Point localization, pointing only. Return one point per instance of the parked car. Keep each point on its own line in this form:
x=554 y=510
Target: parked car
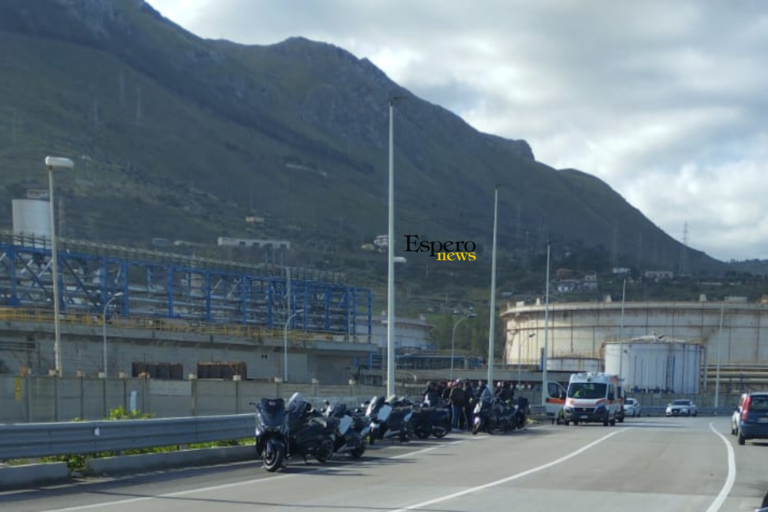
x=681 y=407
x=753 y=418
x=736 y=415
x=631 y=407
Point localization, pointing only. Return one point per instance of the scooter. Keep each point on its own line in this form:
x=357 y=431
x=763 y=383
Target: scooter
x=271 y=432
x=351 y=431
x=389 y=419
x=429 y=420
x=309 y=432
x=493 y=416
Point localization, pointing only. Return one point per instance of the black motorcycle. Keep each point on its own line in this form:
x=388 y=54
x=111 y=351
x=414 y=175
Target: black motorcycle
x=494 y=416
x=428 y=420
x=271 y=432
x=390 y=419
x=309 y=432
x=351 y=430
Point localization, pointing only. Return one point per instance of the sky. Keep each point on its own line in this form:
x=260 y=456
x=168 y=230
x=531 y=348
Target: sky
x=665 y=101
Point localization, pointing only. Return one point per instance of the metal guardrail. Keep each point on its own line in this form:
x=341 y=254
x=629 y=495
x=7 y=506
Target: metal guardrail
x=21 y=441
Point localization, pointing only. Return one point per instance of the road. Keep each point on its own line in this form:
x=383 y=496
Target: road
x=648 y=464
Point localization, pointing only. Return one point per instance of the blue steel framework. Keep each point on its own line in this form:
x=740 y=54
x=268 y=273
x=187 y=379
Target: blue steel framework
x=172 y=290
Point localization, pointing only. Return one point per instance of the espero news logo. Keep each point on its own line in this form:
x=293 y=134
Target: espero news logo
x=443 y=251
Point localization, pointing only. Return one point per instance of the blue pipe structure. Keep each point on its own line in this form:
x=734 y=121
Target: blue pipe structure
x=172 y=290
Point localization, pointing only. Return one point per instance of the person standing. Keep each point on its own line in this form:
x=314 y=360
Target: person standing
x=457 y=399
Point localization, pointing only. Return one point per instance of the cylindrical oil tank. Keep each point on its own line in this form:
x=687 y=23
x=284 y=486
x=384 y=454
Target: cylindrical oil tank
x=647 y=364
x=31 y=217
x=573 y=364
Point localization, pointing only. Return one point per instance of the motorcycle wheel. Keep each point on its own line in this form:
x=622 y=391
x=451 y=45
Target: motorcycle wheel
x=421 y=433
x=325 y=452
x=440 y=431
x=273 y=459
x=358 y=452
x=476 y=428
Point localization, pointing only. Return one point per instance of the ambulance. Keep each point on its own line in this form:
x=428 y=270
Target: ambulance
x=592 y=398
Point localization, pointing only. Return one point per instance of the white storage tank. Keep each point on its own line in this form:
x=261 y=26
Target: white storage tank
x=651 y=363
x=573 y=364
x=31 y=217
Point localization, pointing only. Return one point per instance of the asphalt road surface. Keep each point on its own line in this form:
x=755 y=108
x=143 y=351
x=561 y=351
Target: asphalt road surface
x=644 y=465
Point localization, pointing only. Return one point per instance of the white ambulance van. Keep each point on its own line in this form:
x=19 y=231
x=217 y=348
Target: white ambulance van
x=592 y=397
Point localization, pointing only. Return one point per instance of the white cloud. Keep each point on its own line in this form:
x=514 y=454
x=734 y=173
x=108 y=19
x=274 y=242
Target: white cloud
x=662 y=100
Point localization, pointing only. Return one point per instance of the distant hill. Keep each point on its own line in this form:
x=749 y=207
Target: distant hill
x=179 y=137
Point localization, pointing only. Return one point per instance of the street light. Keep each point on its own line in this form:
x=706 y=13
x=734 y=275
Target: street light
x=52 y=163
x=492 y=333
x=621 y=330
x=104 y=324
x=520 y=354
x=544 y=391
x=453 y=338
x=391 y=253
x=285 y=344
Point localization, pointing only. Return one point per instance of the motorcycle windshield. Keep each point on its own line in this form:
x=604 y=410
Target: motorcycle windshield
x=271 y=411
x=296 y=403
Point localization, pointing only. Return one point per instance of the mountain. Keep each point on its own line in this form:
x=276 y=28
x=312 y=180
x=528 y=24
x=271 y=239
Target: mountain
x=179 y=137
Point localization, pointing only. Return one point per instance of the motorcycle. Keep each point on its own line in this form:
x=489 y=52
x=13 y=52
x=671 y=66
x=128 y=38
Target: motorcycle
x=428 y=420
x=494 y=416
x=389 y=419
x=351 y=430
x=271 y=432
x=309 y=432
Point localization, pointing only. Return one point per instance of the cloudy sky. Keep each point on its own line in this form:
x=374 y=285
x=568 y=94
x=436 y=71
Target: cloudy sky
x=665 y=101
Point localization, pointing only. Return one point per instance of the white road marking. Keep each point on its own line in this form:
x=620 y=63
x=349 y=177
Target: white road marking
x=223 y=486
x=510 y=478
x=726 y=490
x=170 y=495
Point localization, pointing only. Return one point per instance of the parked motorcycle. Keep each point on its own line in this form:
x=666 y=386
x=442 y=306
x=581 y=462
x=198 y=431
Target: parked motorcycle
x=351 y=430
x=434 y=421
x=494 y=416
x=309 y=432
x=390 y=419
x=271 y=432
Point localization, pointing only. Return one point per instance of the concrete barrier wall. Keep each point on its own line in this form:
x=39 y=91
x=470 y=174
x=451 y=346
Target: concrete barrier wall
x=46 y=399
x=12 y=477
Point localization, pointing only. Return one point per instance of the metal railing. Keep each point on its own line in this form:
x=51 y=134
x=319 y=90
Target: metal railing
x=48 y=439
x=172 y=326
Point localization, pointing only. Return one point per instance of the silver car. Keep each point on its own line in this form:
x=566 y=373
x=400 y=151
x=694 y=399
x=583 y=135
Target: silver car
x=631 y=407
x=681 y=407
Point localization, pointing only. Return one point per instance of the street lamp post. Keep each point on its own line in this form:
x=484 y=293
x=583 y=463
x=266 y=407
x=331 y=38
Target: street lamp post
x=391 y=253
x=52 y=163
x=546 y=336
x=492 y=330
x=621 y=330
x=285 y=344
x=453 y=339
x=104 y=325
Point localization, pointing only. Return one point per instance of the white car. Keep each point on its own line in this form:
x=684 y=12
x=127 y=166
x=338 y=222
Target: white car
x=631 y=407
x=681 y=407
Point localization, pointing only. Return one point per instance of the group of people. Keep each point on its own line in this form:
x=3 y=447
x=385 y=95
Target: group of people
x=462 y=397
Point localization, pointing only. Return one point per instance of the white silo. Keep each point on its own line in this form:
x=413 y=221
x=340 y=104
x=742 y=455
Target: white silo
x=650 y=363
x=31 y=217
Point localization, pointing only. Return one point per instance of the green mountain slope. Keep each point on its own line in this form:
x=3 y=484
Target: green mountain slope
x=179 y=137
